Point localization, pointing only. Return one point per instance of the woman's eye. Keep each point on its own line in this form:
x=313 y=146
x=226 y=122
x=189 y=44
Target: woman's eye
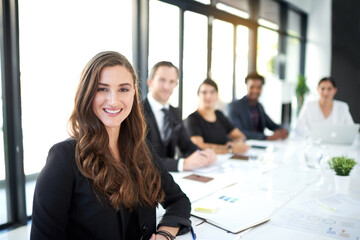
x=124 y=89
x=102 y=89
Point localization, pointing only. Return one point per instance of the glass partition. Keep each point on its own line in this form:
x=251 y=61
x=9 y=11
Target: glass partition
x=3 y=180
x=164 y=37
x=222 y=65
x=294 y=24
x=195 y=59
x=242 y=60
x=267 y=65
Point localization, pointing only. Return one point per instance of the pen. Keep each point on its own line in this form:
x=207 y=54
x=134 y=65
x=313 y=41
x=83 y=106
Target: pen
x=232 y=184
x=193 y=233
x=325 y=206
x=201 y=153
x=243 y=233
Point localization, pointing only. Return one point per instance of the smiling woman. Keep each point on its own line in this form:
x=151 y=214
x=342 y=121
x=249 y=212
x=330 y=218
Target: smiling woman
x=114 y=97
x=209 y=128
x=104 y=182
x=326 y=110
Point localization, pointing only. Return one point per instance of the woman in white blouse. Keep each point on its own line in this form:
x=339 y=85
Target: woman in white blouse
x=324 y=111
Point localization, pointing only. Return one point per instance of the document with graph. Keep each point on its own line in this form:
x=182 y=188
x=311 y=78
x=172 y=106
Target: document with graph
x=234 y=210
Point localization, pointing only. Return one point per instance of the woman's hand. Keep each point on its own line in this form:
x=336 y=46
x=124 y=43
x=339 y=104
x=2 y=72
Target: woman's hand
x=157 y=237
x=240 y=147
x=165 y=233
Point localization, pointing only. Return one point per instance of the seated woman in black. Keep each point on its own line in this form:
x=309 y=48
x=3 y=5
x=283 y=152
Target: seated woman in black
x=209 y=128
x=104 y=182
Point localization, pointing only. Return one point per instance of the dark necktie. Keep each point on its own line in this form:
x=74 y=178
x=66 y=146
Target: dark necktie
x=166 y=125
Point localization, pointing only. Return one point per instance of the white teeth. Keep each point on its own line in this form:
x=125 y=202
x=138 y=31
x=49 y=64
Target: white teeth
x=111 y=111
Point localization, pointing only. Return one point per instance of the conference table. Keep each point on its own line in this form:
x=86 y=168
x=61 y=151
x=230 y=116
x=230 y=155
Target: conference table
x=274 y=185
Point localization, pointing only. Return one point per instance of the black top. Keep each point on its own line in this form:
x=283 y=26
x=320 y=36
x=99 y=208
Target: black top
x=179 y=138
x=66 y=207
x=212 y=132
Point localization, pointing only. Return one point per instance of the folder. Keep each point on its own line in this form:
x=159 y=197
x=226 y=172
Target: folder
x=234 y=211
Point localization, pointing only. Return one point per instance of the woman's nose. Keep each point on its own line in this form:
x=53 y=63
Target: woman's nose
x=112 y=97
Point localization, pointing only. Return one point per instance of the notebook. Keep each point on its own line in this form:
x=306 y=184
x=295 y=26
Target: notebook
x=335 y=134
x=233 y=210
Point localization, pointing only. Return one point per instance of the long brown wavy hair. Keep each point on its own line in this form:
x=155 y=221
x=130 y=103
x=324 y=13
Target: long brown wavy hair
x=132 y=181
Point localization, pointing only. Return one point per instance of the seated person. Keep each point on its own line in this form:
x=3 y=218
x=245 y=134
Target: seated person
x=166 y=131
x=104 y=182
x=209 y=128
x=249 y=116
x=325 y=110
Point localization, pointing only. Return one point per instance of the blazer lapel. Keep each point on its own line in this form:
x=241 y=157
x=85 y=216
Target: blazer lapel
x=175 y=123
x=249 y=123
x=261 y=117
x=151 y=122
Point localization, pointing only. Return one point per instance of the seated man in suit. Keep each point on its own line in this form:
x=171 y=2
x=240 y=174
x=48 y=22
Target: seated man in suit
x=166 y=131
x=249 y=116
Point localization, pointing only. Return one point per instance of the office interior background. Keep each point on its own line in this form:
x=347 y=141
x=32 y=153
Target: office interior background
x=44 y=45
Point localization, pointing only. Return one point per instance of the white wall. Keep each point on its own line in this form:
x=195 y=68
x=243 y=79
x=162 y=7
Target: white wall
x=318 y=48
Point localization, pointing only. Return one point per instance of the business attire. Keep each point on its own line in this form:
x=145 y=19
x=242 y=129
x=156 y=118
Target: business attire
x=66 y=206
x=251 y=120
x=179 y=137
x=311 y=114
x=216 y=132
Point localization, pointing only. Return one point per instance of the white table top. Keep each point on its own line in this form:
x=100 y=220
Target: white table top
x=281 y=174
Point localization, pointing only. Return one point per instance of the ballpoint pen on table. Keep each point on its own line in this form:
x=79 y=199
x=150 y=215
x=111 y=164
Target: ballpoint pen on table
x=243 y=233
x=325 y=206
x=193 y=233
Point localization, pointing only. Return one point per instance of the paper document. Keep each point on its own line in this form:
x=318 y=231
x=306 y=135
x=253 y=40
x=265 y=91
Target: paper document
x=338 y=204
x=233 y=210
x=191 y=187
x=325 y=225
x=220 y=159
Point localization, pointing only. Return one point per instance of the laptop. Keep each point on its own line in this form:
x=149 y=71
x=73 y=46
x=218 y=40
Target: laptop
x=335 y=134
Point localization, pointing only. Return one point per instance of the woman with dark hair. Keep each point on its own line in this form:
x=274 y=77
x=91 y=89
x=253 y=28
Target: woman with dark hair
x=326 y=110
x=104 y=182
x=209 y=128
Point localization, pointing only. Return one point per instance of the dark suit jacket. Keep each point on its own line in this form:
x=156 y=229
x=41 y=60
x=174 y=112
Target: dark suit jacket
x=179 y=138
x=65 y=206
x=239 y=113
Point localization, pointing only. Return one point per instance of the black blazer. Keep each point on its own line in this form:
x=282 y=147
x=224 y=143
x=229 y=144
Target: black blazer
x=179 y=138
x=65 y=206
x=239 y=113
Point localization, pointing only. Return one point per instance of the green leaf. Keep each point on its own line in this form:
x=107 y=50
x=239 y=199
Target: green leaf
x=342 y=165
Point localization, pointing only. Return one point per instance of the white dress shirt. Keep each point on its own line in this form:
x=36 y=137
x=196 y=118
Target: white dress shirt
x=159 y=116
x=311 y=114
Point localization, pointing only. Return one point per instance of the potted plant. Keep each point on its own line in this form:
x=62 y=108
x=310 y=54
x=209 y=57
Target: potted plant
x=301 y=90
x=342 y=166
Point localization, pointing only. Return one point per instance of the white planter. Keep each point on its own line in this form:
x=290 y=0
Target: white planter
x=342 y=184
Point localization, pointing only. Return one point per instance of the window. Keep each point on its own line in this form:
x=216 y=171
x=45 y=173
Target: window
x=195 y=66
x=294 y=24
x=204 y=1
x=268 y=49
x=3 y=181
x=239 y=7
x=55 y=45
x=241 y=64
x=164 y=37
x=222 y=66
x=292 y=59
x=267 y=65
x=269 y=14
x=292 y=72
